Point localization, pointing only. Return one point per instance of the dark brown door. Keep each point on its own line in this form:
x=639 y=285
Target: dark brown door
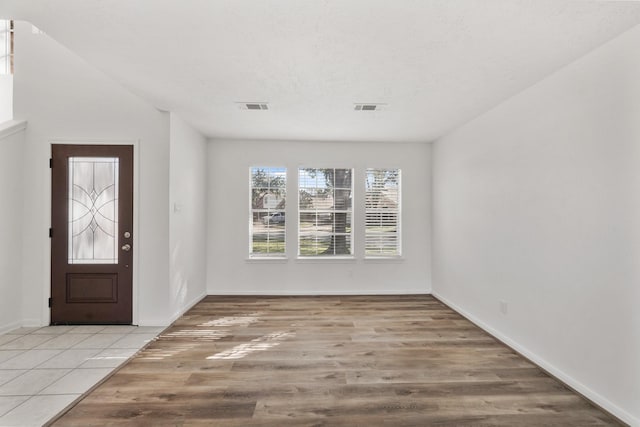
x=92 y=234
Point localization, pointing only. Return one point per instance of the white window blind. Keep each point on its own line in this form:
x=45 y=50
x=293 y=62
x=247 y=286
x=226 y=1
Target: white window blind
x=267 y=213
x=382 y=206
x=325 y=212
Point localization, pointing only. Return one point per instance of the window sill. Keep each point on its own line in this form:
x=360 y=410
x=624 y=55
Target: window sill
x=326 y=259
x=384 y=260
x=267 y=260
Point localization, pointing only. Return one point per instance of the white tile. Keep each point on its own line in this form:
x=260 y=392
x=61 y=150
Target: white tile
x=69 y=359
x=148 y=329
x=8 y=354
x=86 y=329
x=6 y=338
x=26 y=342
x=54 y=330
x=37 y=410
x=64 y=341
x=23 y=330
x=29 y=359
x=77 y=381
x=9 y=374
x=99 y=341
x=134 y=341
x=32 y=382
x=7 y=403
x=118 y=329
x=109 y=358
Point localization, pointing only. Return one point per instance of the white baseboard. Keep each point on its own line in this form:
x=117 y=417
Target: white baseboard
x=154 y=322
x=187 y=307
x=168 y=321
x=9 y=327
x=320 y=293
x=27 y=323
x=547 y=366
x=32 y=323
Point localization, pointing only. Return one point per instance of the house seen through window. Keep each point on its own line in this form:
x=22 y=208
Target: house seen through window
x=325 y=212
x=267 y=221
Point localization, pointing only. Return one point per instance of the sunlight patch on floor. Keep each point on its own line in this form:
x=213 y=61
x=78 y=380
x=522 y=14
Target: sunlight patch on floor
x=233 y=321
x=259 y=344
x=164 y=353
x=197 y=334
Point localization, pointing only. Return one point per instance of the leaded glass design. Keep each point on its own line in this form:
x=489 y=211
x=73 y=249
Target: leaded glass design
x=93 y=210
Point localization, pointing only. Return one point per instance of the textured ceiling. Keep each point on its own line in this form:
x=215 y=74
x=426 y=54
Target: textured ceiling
x=435 y=63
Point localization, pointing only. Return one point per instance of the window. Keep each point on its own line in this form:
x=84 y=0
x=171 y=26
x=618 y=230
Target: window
x=382 y=206
x=267 y=221
x=6 y=47
x=325 y=212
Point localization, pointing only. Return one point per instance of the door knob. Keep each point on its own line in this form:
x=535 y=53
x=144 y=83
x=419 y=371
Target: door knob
x=126 y=247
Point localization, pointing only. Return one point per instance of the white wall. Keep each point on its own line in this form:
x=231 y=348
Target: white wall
x=6 y=97
x=188 y=171
x=229 y=271
x=537 y=203
x=64 y=99
x=11 y=190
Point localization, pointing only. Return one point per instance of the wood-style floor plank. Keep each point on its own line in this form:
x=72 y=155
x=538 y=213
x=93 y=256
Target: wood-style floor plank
x=329 y=361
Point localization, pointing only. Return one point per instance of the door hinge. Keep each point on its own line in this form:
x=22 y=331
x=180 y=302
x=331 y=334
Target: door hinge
x=51 y=163
x=49 y=302
x=50 y=232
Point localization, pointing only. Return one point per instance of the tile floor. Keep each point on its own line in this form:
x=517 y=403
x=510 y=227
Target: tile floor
x=43 y=370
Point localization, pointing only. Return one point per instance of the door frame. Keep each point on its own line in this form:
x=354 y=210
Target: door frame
x=135 y=285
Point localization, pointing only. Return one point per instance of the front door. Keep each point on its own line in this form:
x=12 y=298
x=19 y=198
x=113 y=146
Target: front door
x=92 y=234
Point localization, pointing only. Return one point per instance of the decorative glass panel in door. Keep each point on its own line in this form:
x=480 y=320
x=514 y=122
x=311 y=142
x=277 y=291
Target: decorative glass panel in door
x=93 y=210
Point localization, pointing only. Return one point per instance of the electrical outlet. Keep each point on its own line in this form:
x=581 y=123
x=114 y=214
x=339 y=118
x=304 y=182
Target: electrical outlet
x=504 y=307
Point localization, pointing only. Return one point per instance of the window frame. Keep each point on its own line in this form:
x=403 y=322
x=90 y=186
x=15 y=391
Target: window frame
x=7 y=26
x=349 y=211
x=383 y=211
x=269 y=211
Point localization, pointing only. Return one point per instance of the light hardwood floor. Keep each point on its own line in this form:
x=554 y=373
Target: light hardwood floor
x=330 y=361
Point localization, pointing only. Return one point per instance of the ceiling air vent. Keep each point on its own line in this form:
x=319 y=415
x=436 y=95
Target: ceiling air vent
x=368 y=107
x=253 y=105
